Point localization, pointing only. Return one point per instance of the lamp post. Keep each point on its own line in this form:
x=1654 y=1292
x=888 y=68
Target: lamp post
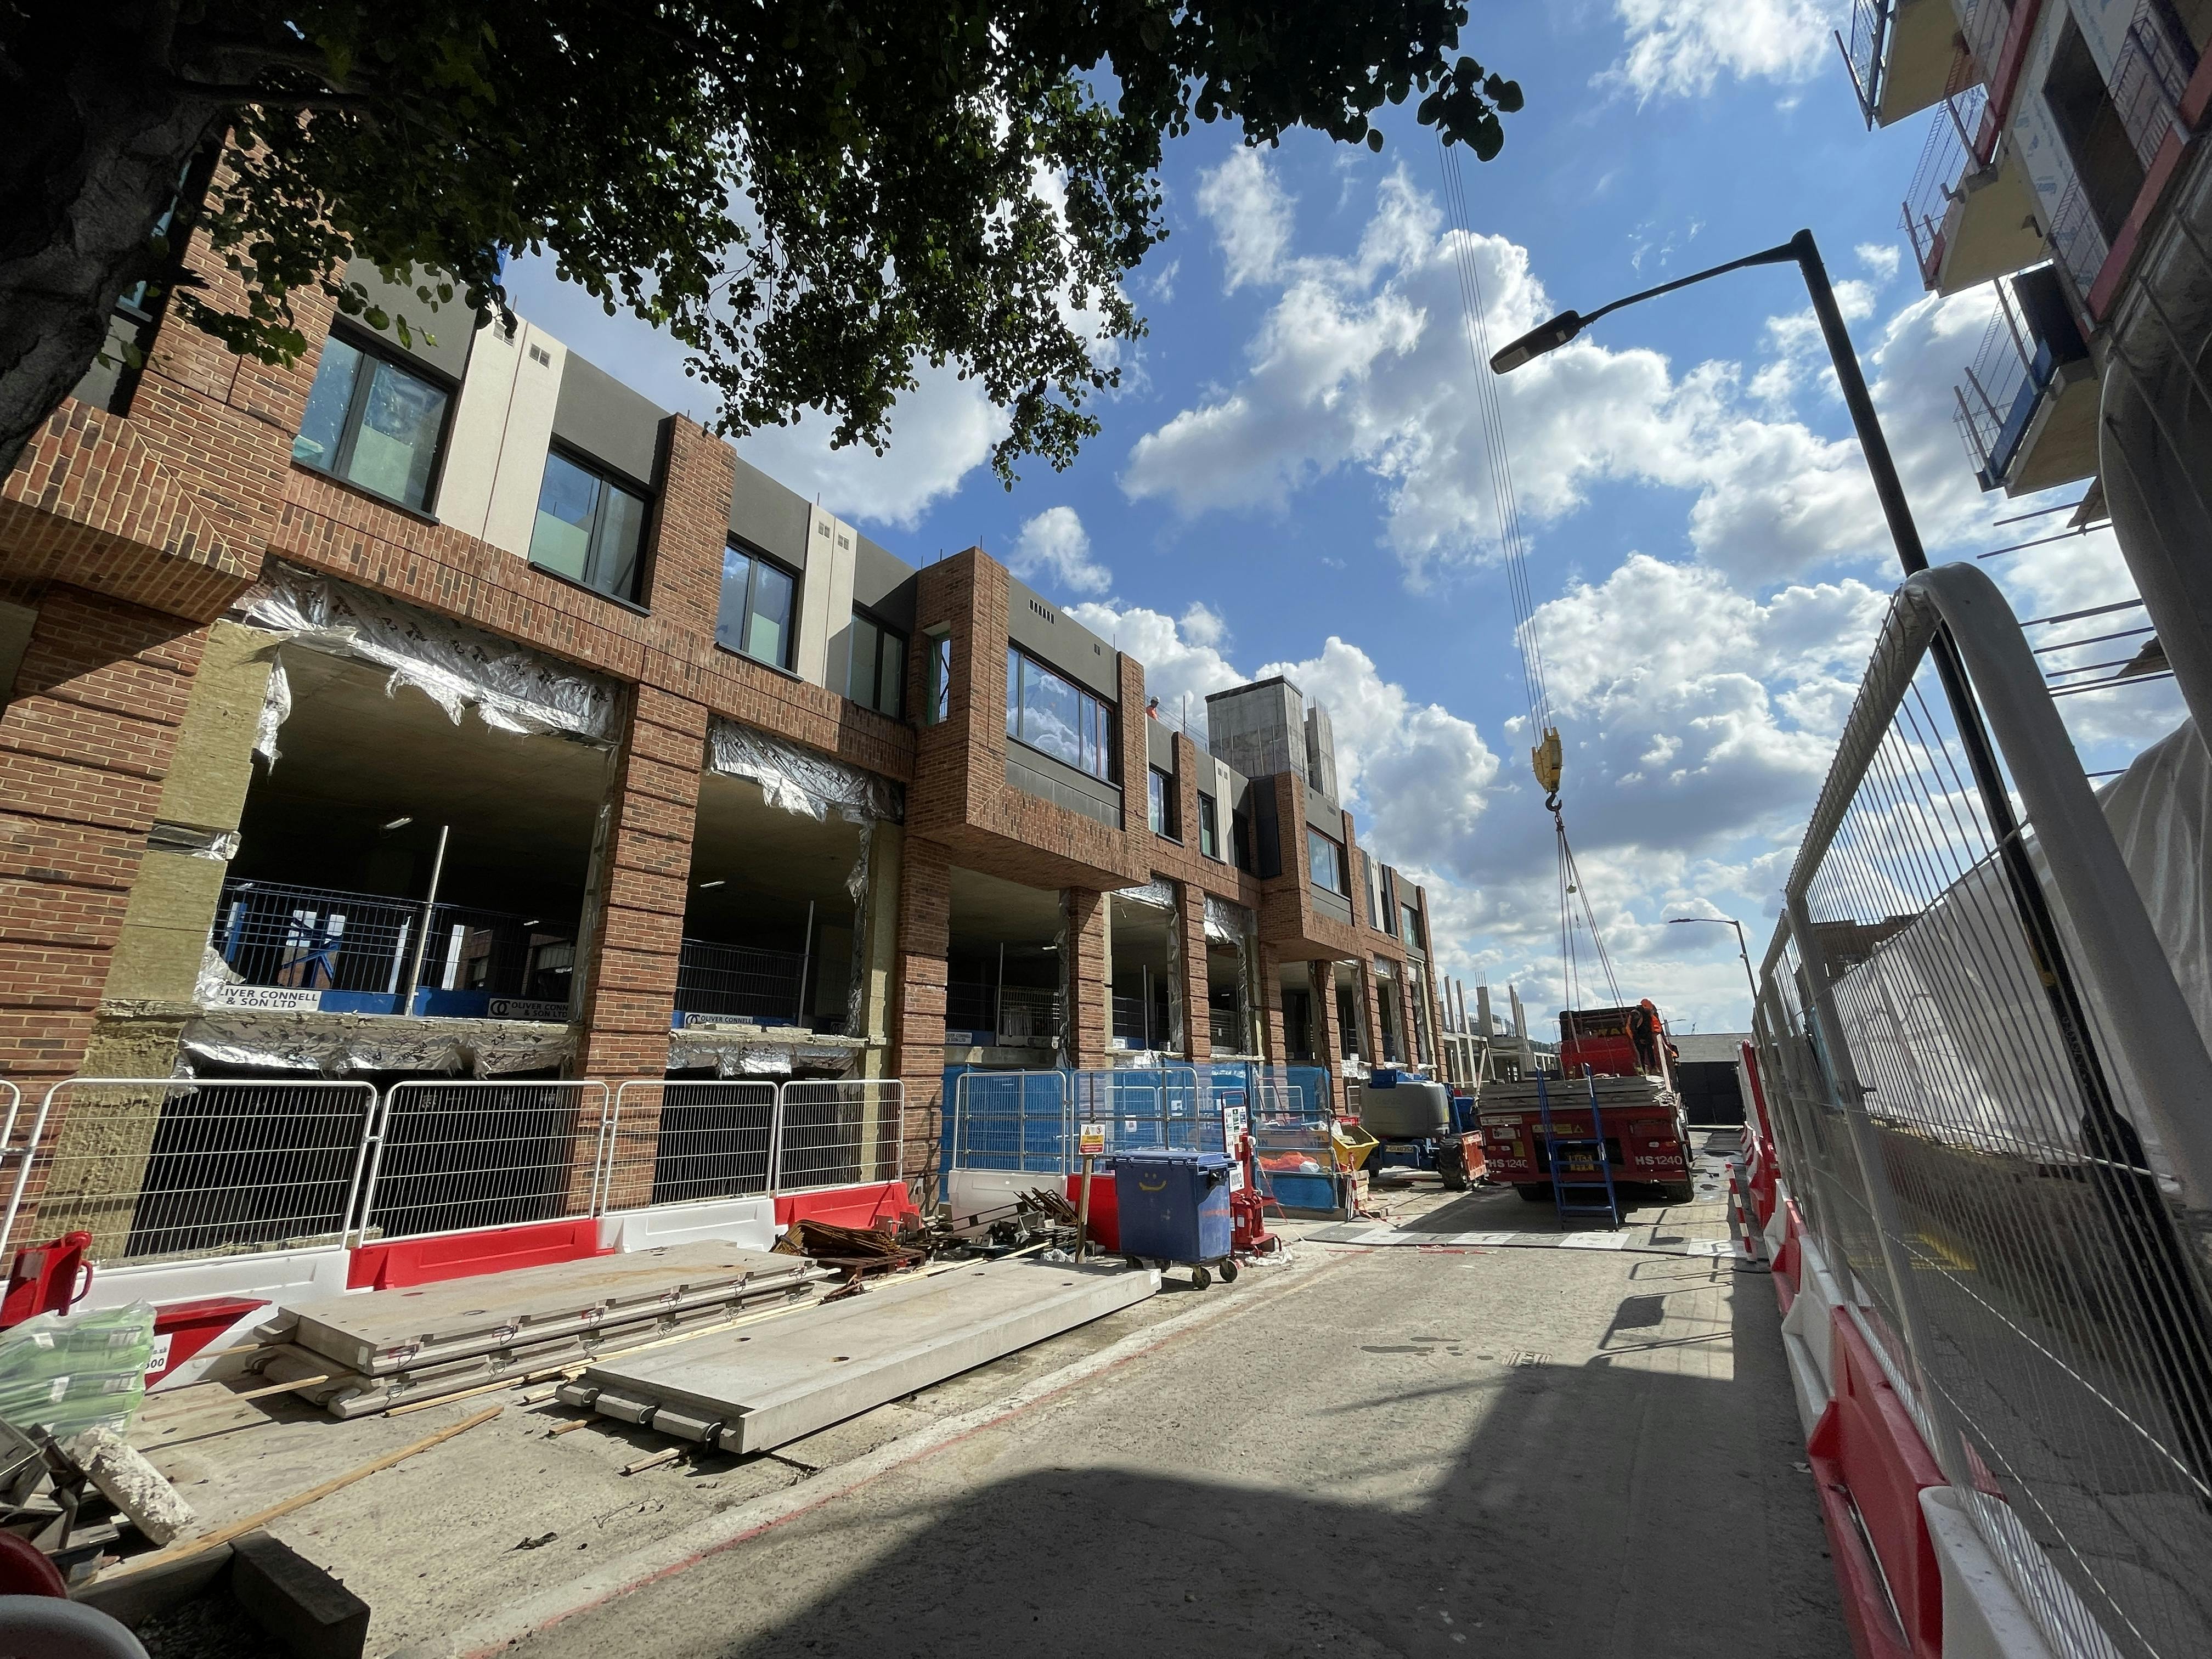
x=2068 y=1007
x=1742 y=953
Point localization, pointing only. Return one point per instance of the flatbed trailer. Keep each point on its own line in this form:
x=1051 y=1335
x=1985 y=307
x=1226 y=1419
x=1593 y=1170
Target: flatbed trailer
x=1620 y=1059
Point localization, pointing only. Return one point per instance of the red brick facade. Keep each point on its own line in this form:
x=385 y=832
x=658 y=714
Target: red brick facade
x=130 y=534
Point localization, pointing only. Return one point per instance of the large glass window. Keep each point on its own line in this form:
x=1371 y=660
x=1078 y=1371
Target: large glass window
x=756 y=614
x=1054 y=714
x=1412 y=932
x=589 y=528
x=876 y=674
x=1209 y=826
x=373 y=423
x=1160 y=797
x=1325 y=861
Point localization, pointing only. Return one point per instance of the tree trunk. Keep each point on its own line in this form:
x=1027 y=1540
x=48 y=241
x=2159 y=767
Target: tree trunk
x=94 y=136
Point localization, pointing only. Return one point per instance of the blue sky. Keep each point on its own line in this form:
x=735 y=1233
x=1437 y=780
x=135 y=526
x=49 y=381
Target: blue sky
x=1293 y=478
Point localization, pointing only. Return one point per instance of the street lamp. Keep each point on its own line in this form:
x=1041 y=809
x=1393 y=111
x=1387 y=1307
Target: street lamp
x=2025 y=887
x=1740 y=951
x=1801 y=250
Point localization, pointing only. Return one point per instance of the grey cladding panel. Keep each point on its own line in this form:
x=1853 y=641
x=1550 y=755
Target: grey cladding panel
x=1058 y=643
x=604 y=419
x=884 y=583
x=769 y=516
x=1325 y=815
x=1334 y=906
x=452 y=324
x=1048 y=779
x=1160 y=745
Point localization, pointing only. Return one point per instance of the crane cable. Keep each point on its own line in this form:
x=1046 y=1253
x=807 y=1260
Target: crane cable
x=1546 y=756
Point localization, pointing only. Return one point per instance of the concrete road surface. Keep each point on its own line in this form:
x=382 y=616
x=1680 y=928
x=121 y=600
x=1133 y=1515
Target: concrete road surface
x=1508 y=1451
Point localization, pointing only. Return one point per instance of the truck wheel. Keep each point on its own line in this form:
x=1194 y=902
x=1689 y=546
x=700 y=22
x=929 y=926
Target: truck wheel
x=1455 y=1179
x=1677 y=1192
x=1534 y=1192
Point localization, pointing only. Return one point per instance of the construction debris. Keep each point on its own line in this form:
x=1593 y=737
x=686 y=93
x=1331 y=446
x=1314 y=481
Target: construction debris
x=236 y=1529
x=134 y=1485
x=856 y=1249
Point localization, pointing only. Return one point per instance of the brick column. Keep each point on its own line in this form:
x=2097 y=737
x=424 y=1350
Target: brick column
x=925 y=925
x=1197 y=1010
x=1090 y=978
x=86 y=742
x=1321 y=975
x=1270 y=1011
x=644 y=880
x=1369 y=1019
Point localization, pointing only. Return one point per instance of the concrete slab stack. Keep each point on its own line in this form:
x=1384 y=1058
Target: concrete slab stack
x=376 y=1350
x=750 y=1391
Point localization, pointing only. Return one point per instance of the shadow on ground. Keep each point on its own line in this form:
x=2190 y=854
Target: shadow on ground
x=1621 y=1507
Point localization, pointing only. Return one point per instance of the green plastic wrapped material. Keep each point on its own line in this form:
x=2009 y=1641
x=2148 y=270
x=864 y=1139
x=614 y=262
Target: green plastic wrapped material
x=66 y=1373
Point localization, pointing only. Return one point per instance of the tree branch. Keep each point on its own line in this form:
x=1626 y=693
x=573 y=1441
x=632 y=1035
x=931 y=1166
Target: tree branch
x=205 y=92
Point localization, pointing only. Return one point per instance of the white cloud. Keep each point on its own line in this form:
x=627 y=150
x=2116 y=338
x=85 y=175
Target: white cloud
x=1250 y=215
x=1362 y=362
x=1880 y=258
x=941 y=431
x=1054 y=548
x=1203 y=625
x=1682 y=48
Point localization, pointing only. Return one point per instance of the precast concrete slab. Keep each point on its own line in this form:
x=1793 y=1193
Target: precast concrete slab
x=385 y=1331
x=750 y=1391
x=344 y=1392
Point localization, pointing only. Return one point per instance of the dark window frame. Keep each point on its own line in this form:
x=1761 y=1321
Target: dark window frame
x=1161 y=802
x=1315 y=838
x=1239 y=840
x=1209 y=826
x=1108 y=717
x=609 y=478
x=757 y=558
x=368 y=345
x=937 y=690
x=883 y=630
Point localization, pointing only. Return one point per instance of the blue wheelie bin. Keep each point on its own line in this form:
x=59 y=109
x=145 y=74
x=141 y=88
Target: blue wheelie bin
x=1174 y=1209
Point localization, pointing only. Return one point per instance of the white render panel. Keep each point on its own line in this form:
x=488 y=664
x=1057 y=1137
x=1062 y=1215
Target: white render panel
x=464 y=482
x=825 y=594
x=527 y=435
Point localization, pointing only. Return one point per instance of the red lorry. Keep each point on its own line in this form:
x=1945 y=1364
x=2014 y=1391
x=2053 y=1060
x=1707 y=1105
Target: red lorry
x=1647 y=1138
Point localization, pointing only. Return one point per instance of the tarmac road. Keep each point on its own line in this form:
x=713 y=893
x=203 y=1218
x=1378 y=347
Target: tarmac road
x=1523 y=1452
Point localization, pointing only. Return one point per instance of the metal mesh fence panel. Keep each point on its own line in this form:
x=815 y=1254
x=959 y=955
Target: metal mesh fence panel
x=1145 y=1108
x=1969 y=1151
x=453 y=1155
x=837 y=1133
x=155 y=1167
x=676 y=1143
x=1010 y=1121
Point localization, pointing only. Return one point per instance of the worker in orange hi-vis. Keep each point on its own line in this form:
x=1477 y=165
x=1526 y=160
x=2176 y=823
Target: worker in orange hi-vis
x=1644 y=1031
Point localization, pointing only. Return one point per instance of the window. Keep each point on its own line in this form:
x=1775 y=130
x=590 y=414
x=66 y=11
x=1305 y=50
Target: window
x=937 y=705
x=589 y=528
x=1325 y=861
x=756 y=618
x=876 y=674
x=1209 y=828
x=373 y=423
x=1240 y=840
x=1056 y=716
x=1412 y=931
x=1160 y=799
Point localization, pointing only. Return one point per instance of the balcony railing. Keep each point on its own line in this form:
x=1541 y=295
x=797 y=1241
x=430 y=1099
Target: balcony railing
x=1956 y=148
x=1865 y=52
x=1015 y=1016
x=299 y=947
x=2157 y=61
x=740 y=984
x=1225 y=1026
